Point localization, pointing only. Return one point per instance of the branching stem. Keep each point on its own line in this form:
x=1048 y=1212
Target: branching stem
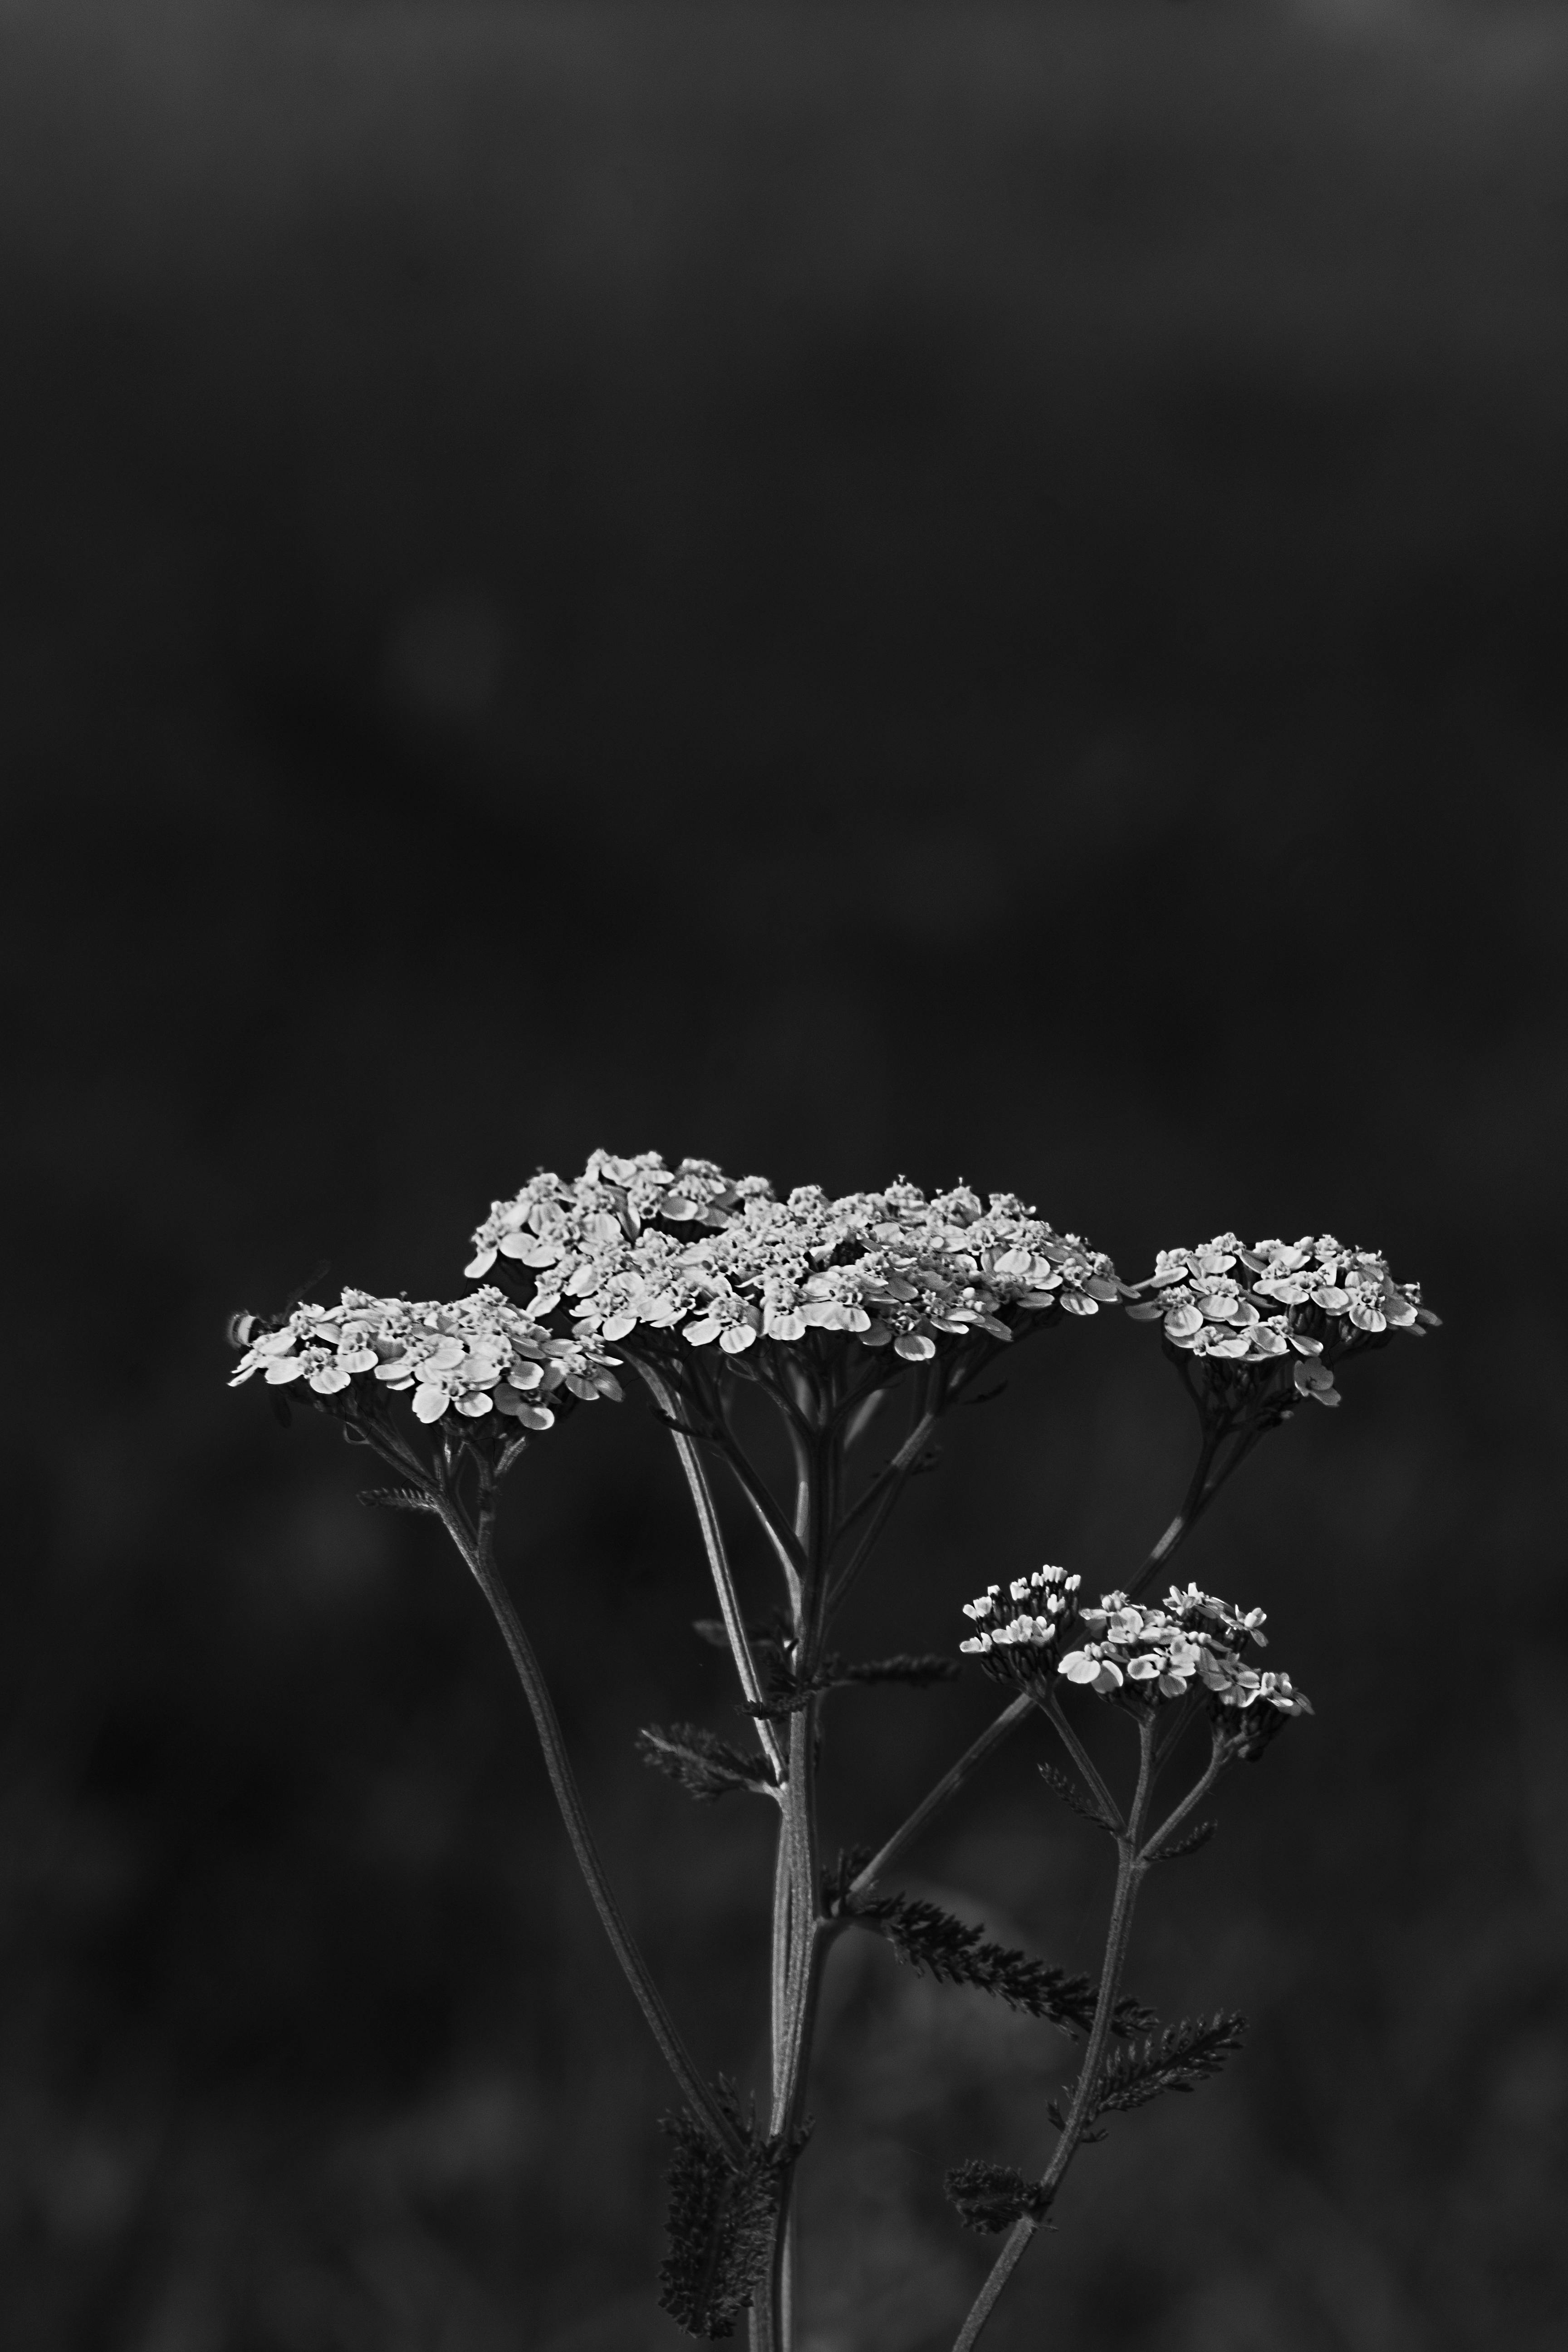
x=707 y=1510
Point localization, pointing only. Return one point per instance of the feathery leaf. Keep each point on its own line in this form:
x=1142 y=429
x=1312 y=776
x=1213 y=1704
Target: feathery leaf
x=720 y=2222
x=933 y=1943
x=1072 y=1792
x=1194 y=1842
x=705 y=1766
x=1177 y=2060
x=991 y=2196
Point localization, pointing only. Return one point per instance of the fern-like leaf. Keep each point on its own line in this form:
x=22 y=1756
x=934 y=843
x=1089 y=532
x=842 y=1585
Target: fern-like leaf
x=917 y=1672
x=787 y=1693
x=705 y=1766
x=991 y=2196
x=720 y=2222
x=1194 y=1842
x=396 y=1498
x=1083 y=1800
x=1179 y=2059
x=933 y=1943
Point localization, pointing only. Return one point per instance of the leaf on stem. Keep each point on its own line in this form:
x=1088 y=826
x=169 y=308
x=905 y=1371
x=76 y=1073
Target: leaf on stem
x=787 y=1694
x=705 y=1766
x=934 y=1943
x=719 y=2220
x=1178 y=2059
x=1195 y=1840
x=991 y=2196
x=1072 y=1792
x=397 y=1498
x=917 y=1671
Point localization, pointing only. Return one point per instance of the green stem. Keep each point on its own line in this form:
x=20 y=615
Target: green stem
x=951 y=1781
x=879 y=1498
x=475 y=1545
x=1130 y=1865
x=1052 y=1707
x=707 y=1510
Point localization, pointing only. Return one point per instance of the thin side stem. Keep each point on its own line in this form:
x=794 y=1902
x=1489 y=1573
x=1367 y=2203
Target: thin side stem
x=1219 y=1759
x=766 y=1511
x=952 y=1779
x=893 y=1468
x=897 y=1473
x=696 y=1471
x=474 y=1544
x=1130 y=1868
x=1081 y=1757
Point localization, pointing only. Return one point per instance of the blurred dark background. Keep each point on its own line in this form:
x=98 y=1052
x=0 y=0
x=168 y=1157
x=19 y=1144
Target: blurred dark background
x=970 y=591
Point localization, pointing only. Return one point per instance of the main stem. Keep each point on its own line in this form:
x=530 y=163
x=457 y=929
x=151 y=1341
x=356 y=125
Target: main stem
x=1130 y=1869
x=475 y=1543
x=800 y=1935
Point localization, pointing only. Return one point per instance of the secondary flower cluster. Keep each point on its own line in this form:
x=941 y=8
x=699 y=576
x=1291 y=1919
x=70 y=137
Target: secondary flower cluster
x=1233 y=1304
x=1038 y=1603
x=472 y=1356
x=1192 y=1639
x=633 y=1247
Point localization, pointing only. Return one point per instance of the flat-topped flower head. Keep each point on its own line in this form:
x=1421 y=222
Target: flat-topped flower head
x=1144 y=1653
x=1263 y=1325
x=666 y=1261
x=1015 y=1631
x=471 y=1357
x=550 y=1222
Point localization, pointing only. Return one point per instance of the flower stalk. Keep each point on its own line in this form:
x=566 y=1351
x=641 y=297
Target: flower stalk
x=474 y=1541
x=1132 y=1862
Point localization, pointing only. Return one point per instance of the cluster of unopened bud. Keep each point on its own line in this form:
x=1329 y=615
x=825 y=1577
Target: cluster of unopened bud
x=1029 y=1618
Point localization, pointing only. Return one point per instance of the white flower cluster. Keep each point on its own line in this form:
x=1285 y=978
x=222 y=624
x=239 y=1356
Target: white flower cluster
x=1232 y=1304
x=1157 y=1651
x=1160 y=1650
x=617 y=1248
x=473 y=1356
x=1039 y=1602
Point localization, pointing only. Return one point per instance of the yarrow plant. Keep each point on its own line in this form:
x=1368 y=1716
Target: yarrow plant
x=710 y=1290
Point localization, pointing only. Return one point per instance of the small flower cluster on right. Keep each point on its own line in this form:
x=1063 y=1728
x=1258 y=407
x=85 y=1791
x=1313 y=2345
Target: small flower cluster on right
x=1312 y=1300
x=1148 y=1652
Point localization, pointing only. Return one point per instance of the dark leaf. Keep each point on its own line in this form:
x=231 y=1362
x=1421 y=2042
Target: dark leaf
x=720 y=2223
x=704 y=1765
x=916 y=1670
x=933 y=1943
x=1177 y=2060
x=1083 y=1800
x=1195 y=1840
x=991 y=2196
